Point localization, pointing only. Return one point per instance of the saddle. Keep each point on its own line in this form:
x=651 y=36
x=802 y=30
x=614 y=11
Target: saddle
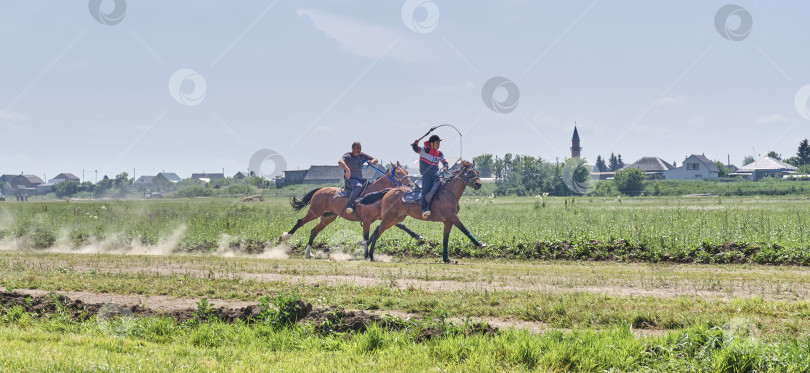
x=415 y=195
x=343 y=192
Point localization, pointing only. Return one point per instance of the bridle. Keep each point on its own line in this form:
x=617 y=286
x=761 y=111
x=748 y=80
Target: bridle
x=396 y=181
x=468 y=176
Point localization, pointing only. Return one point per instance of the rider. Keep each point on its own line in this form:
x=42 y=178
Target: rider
x=352 y=165
x=429 y=158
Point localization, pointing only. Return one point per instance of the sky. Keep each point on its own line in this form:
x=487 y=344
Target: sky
x=103 y=87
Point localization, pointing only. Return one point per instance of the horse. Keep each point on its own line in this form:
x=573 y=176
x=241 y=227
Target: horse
x=444 y=208
x=323 y=203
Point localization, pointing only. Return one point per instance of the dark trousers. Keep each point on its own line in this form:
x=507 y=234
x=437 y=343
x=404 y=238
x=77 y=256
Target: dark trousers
x=355 y=187
x=428 y=180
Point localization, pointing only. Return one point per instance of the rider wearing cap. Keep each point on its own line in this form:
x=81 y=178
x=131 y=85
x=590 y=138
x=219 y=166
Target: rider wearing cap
x=352 y=165
x=429 y=159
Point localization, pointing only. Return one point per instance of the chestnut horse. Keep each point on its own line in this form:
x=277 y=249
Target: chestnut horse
x=324 y=204
x=443 y=208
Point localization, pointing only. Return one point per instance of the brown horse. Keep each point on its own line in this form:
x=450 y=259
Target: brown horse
x=325 y=204
x=444 y=207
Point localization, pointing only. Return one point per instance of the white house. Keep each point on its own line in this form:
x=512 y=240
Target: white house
x=694 y=167
x=765 y=167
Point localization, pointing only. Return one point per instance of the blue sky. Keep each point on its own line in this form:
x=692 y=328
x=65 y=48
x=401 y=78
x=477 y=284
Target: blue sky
x=307 y=78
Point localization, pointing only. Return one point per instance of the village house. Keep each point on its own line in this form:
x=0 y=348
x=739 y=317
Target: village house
x=694 y=167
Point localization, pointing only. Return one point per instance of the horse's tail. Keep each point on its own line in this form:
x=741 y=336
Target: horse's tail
x=300 y=204
x=373 y=198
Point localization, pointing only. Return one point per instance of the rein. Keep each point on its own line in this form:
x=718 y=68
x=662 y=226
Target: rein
x=394 y=181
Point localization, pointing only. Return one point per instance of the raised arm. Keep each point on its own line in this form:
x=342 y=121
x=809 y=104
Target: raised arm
x=415 y=146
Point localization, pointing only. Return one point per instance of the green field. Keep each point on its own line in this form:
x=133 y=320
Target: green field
x=761 y=230
x=584 y=284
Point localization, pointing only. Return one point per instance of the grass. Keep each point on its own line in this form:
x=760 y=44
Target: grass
x=153 y=344
x=558 y=295
x=760 y=230
x=592 y=310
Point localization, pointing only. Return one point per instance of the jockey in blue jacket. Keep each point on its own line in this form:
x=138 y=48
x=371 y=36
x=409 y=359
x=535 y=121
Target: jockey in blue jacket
x=352 y=165
x=429 y=159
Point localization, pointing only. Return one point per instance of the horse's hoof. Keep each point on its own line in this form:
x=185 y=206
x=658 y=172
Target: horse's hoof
x=284 y=237
x=308 y=252
x=448 y=261
x=482 y=245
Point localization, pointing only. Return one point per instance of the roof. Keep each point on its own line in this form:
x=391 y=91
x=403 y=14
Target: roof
x=709 y=164
x=240 y=174
x=144 y=179
x=66 y=176
x=334 y=173
x=576 y=135
x=170 y=176
x=650 y=164
x=767 y=163
x=208 y=176
x=33 y=179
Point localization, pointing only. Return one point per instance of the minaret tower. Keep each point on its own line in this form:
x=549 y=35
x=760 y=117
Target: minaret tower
x=575 y=148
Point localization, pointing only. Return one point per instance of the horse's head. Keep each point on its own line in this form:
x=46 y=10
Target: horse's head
x=469 y=174
x=400 y=174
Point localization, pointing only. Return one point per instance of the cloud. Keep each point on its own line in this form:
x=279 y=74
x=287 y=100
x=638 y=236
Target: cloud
x=323 y=129
x=451 y=88
x=696 y=120
x=371 y=41
x=543 y=118
x=677 y=101
x=772 y=119
x=12 y=116
x=16 y=127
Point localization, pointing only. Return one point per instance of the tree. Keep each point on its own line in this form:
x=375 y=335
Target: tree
x=121 y=183
x=613 y=162
x=620 y=162
x=803 y=153
x=793 y=161
x=600 y=164
x=629 y=181
x=748 y=160
x=723 y=170
x=484 y=164
x=102 y=186
x=66 y=188
x=774 y=154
